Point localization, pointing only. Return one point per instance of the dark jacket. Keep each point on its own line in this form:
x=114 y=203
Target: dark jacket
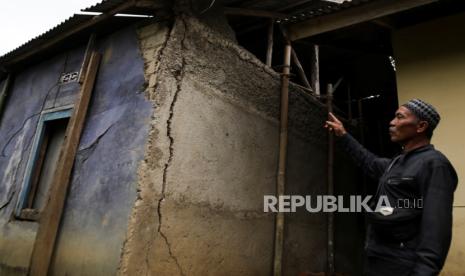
x=423 y=173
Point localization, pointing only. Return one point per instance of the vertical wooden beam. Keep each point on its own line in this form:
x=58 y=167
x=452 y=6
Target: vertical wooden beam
x=85 y=61
x=281 y=177
x=330 y=268
x=315 y=77
x=51 y=216
x=295 y=59
x=4 y=93
x=269 y=52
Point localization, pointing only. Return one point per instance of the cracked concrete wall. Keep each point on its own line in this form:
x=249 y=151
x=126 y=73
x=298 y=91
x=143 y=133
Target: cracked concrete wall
x=192 y=156
x=212 y=155
x=103 y=185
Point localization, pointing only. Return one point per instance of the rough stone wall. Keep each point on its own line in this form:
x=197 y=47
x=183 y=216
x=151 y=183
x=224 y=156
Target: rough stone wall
x=212 y=155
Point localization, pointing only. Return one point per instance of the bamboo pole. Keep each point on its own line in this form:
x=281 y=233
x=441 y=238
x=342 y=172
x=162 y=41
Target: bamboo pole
x=295 y=59
x=281 y=177
x=315 y=77
x=329 y=102
x=269 y=52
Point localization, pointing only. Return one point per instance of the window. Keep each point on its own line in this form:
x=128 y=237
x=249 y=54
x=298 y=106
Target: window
x=42 y=162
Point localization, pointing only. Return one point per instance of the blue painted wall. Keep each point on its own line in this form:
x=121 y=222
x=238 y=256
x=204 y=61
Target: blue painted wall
x=103 y=186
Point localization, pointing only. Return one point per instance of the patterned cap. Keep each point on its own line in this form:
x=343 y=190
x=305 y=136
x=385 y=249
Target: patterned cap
x=424 y=111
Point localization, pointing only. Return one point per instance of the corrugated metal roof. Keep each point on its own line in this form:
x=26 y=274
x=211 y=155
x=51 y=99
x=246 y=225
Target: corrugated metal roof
x=319 y=8
x=67 y=24
x=104 y=6
x=298 y=10
x=73 y=22
x=140 y=7
x=36 y=49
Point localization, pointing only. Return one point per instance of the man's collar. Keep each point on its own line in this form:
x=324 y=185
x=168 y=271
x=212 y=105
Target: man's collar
x=420 y=149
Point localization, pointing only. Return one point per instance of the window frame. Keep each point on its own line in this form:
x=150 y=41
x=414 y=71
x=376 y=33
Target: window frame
x=22 y=211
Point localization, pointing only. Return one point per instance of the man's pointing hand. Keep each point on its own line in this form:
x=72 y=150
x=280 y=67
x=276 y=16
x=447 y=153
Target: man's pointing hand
x=333 y=124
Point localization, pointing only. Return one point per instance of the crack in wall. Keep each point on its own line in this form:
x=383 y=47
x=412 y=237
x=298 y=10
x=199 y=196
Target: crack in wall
x=166 y=69
x=17 y=169
x=179 y=75
x=89 y=150
x=9 y=140
x=151 y=248
x=24 y=150
x=153 y=55
x=8 y=200
x=152 y=240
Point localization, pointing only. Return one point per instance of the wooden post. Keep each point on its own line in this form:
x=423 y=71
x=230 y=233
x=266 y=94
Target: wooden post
x=85 y=61
x=281 y=177
x=329 y=98
x=315 y=77
x=4 y=93
x=296 y=61
x=269 y=52
x=51 y=216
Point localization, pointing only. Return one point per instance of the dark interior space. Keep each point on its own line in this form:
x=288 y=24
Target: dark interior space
x=360 y=59
x=54 y=134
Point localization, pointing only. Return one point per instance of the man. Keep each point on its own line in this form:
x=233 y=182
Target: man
x=410 y=240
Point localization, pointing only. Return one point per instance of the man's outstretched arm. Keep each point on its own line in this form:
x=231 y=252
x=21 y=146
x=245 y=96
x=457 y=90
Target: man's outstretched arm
x=371 y=164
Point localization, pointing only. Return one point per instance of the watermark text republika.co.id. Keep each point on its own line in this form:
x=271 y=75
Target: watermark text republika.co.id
x=331 y=203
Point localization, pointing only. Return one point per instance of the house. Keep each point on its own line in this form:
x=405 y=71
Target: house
x=145 y=145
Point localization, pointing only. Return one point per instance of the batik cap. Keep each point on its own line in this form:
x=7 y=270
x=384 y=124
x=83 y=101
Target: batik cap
x=424 y=111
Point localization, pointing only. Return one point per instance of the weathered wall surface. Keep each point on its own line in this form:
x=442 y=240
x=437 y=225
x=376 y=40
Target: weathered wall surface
x=103 y=186
x=104 y=180
x=205 y=147
x=212 y=155
x=430 y=60
x=33 y=90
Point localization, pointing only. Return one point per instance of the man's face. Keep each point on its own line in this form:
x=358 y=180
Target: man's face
x=405 y=126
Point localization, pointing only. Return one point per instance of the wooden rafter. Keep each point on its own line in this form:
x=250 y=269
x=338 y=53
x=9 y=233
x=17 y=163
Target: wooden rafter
x=253 y=13
x=351 y=16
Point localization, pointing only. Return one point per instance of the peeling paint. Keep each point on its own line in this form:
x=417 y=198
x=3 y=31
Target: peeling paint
x=103 y=184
